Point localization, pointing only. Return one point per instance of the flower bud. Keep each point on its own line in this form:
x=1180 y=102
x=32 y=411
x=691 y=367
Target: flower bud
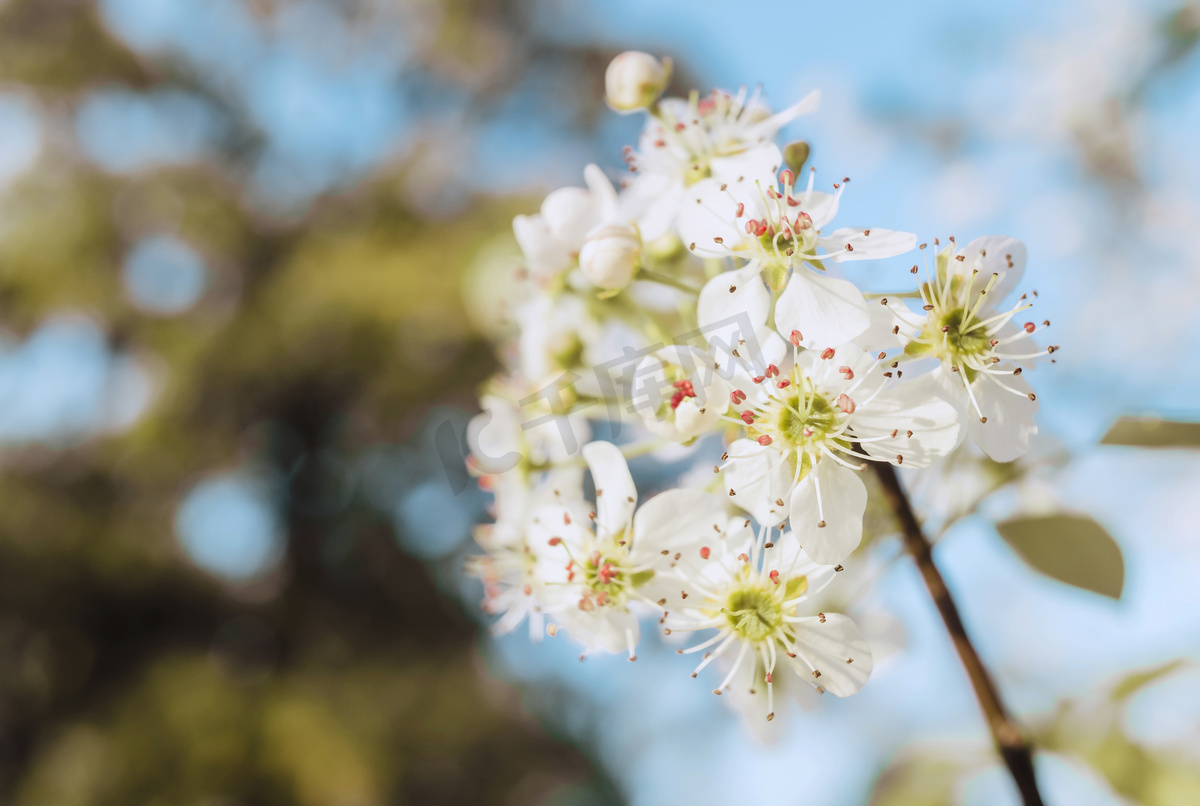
x=634 y=80
x=611 y=255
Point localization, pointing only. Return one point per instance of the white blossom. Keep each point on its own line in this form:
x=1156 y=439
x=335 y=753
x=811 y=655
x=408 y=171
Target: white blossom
x=752 y=592
x=722 y=136
x=552 y=239
x=782 y=235
x=982 y=352
x=606 y=567
x=808 y=431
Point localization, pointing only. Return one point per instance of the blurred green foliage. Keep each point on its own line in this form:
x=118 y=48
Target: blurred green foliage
x=347 y=676
x=1152 y=432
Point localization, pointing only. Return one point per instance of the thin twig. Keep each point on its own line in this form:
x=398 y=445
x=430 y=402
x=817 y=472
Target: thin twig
x=1014 y=747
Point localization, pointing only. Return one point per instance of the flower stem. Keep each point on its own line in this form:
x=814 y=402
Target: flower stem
x=1014 y=747
x=664 y=279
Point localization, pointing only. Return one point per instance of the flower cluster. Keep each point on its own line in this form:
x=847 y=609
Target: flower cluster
x=701 y=307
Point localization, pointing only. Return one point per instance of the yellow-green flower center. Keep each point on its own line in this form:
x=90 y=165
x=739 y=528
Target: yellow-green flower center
x=754 y=613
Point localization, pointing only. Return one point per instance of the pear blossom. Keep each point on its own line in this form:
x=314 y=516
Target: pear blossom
x=698 y=394
x=981 y=350
x=753 y=593
x=568 y=334
x=634 y=80
x=606 y=566
x=552 y=239
x=782 y=235
x=503 y=437
x=515 y=587
x=721 y=136
x=806 y=430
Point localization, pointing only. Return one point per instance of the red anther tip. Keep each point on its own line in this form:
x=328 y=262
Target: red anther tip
x=748 y=417
x=772 y=370
x=705 y=552
x=784 y=384
x=827 y=353
x=1030 y=327
x=554 y=541
x=774 y=575
x=797 y=337
x=847 y=373
x=846 y=404
x=764 y=440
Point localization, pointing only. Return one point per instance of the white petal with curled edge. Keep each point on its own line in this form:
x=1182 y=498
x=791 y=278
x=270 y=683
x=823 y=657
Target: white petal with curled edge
x=827 y=311
x=1005 y=435
x=843 y=499
x=734 y=300
x=868 y=244
x=760 y=478
x=916 y=405
x=836 y=649
x=615 y=494
x=708 y=213
x=993 y=254
x=675 y=520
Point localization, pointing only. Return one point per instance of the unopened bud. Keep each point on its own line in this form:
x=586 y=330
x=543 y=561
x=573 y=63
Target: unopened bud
x=635 y=80
x=611 y=255
x=795 y=155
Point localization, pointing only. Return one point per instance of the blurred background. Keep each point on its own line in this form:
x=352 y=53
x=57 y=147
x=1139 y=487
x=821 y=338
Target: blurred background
x=240 y=251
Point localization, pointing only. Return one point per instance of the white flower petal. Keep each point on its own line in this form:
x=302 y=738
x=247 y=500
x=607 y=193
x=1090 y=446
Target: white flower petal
x=603 y=628
x=842 y=501
x=915 y=405
x=867 y=244
x=827 y=311
x=737 y=299
x=820 y=207
x=837 y=650
x=1010 y=417
x=760 y=478
x=570 y=213
x=740 y=171
x=993 y=254
x=495 y=436
x=604 y=195
x=708 y=213
x=805 y=106
x=615 y=494
x=676 y=520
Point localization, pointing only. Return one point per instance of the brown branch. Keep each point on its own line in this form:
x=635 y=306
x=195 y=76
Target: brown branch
x=1014 y=747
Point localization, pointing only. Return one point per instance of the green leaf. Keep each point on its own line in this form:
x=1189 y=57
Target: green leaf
x=1153 y=432
x=1070 y=548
